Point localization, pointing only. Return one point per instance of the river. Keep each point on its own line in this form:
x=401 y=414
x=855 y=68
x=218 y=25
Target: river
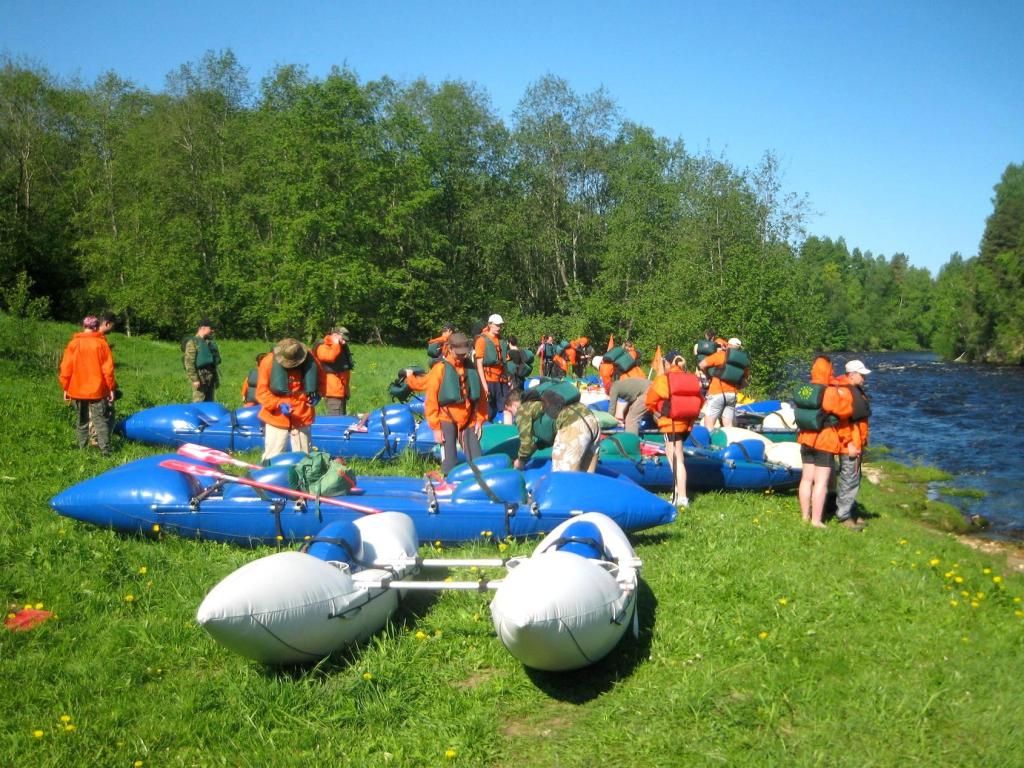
x=964 y=419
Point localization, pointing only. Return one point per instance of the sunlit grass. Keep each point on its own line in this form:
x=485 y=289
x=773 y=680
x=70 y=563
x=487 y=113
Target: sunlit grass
x=761 y=640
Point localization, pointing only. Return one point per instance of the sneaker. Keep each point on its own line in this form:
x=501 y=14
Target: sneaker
x=853 y=525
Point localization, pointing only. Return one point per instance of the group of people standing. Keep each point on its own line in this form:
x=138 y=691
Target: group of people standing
x=471 y=382
x=832 y=414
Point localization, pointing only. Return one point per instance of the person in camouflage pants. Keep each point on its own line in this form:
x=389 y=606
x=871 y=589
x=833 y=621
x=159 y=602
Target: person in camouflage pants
x=577 y=432
x=201 y=360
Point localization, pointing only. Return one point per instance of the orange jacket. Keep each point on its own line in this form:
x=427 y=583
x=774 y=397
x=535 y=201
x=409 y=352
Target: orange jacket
x=463 y=415
x=657 y=394
x=303 y=414
x=838 y=401
x=332 y=384
x=87 y=367
x=492 y=373
x=856 y=432
x=417 y=382
x=717 y=386
x=607 y=374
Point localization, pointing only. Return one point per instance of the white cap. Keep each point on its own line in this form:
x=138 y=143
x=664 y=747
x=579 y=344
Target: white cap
x=856 y=366
x=596 y=361
x=734 y=342
x=496 y=319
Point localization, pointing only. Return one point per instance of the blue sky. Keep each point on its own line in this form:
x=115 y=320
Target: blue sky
x=896 y=119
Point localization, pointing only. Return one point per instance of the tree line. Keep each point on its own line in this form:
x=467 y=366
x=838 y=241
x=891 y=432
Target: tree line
x=303 y=203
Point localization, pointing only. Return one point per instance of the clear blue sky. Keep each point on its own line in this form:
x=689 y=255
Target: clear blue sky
x=896 y=118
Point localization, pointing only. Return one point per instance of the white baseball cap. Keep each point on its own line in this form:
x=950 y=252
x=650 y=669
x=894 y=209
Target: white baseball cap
x=734 y=342
x=596 y=361
x=856 y=366
x=496 y=319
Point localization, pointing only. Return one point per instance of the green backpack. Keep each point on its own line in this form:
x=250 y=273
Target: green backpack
x=318 y=474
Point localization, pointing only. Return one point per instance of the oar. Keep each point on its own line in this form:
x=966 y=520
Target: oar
x=212 y=456
x=201 y=471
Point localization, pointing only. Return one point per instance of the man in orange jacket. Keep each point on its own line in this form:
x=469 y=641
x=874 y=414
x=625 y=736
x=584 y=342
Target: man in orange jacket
x=335 y=359
x=87 y=379
x=287 y=386
x=456 y=403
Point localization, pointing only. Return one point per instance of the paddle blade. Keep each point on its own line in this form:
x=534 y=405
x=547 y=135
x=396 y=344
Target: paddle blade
x=26 y=619
x=212 y=456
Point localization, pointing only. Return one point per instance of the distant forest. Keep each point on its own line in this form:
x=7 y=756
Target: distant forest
x=392 y=208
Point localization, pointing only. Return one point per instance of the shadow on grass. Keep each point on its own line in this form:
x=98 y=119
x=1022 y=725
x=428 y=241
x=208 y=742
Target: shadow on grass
x=582 y=685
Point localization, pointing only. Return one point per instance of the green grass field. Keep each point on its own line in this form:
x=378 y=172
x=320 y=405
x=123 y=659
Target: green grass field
x=762 y=642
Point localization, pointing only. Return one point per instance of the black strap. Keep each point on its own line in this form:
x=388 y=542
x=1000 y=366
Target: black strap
x=625 y=454
x=483 y=483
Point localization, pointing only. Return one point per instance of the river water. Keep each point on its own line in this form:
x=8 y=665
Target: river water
x=964 y=419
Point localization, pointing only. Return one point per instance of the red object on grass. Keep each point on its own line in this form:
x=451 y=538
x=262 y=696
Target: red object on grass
x=26 y=619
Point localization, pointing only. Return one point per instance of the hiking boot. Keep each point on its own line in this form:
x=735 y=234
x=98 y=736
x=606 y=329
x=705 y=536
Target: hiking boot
x=853 y=525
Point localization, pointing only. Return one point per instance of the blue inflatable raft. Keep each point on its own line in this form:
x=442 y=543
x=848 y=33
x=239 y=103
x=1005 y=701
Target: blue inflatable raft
x=741 y=466
x=382 y=434
x=492 y=501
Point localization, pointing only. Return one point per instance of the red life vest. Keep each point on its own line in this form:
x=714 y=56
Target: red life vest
x=684 y=399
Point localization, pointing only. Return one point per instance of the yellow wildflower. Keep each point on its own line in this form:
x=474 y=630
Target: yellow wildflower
x=65 y=718
x=129 y=598
x=39 y=606
x=69 y=727
x=975 y=603
x=143 y=570
x=997 y=579
x=367 y=676
x=762 y=635
x=421 y=635
x=934 y=561
x=783 y=601
x=1019 y=614
x=954 y=603
x=156 y=527
x=449 y=754
x=138 y=764
x=37 y=733
x=1016 y=599
x=502 y=547
x=959 y=579
x=986 y=571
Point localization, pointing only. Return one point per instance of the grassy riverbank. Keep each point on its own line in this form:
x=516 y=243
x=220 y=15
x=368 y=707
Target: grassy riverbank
x=762 y=641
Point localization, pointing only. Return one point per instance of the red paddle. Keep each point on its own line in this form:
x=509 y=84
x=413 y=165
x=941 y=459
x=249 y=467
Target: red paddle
x=201 y=471
x=212 y=456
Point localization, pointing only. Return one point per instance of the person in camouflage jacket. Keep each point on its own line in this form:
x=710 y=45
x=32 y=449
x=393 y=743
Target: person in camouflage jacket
x=201 y=360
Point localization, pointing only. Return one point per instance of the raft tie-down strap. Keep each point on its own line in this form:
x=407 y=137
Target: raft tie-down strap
x=432 y=495
x=590 y=541
x=204 y=494
x=343 y=543
x=275 y=508
x=387 y=433
x=622 y=449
